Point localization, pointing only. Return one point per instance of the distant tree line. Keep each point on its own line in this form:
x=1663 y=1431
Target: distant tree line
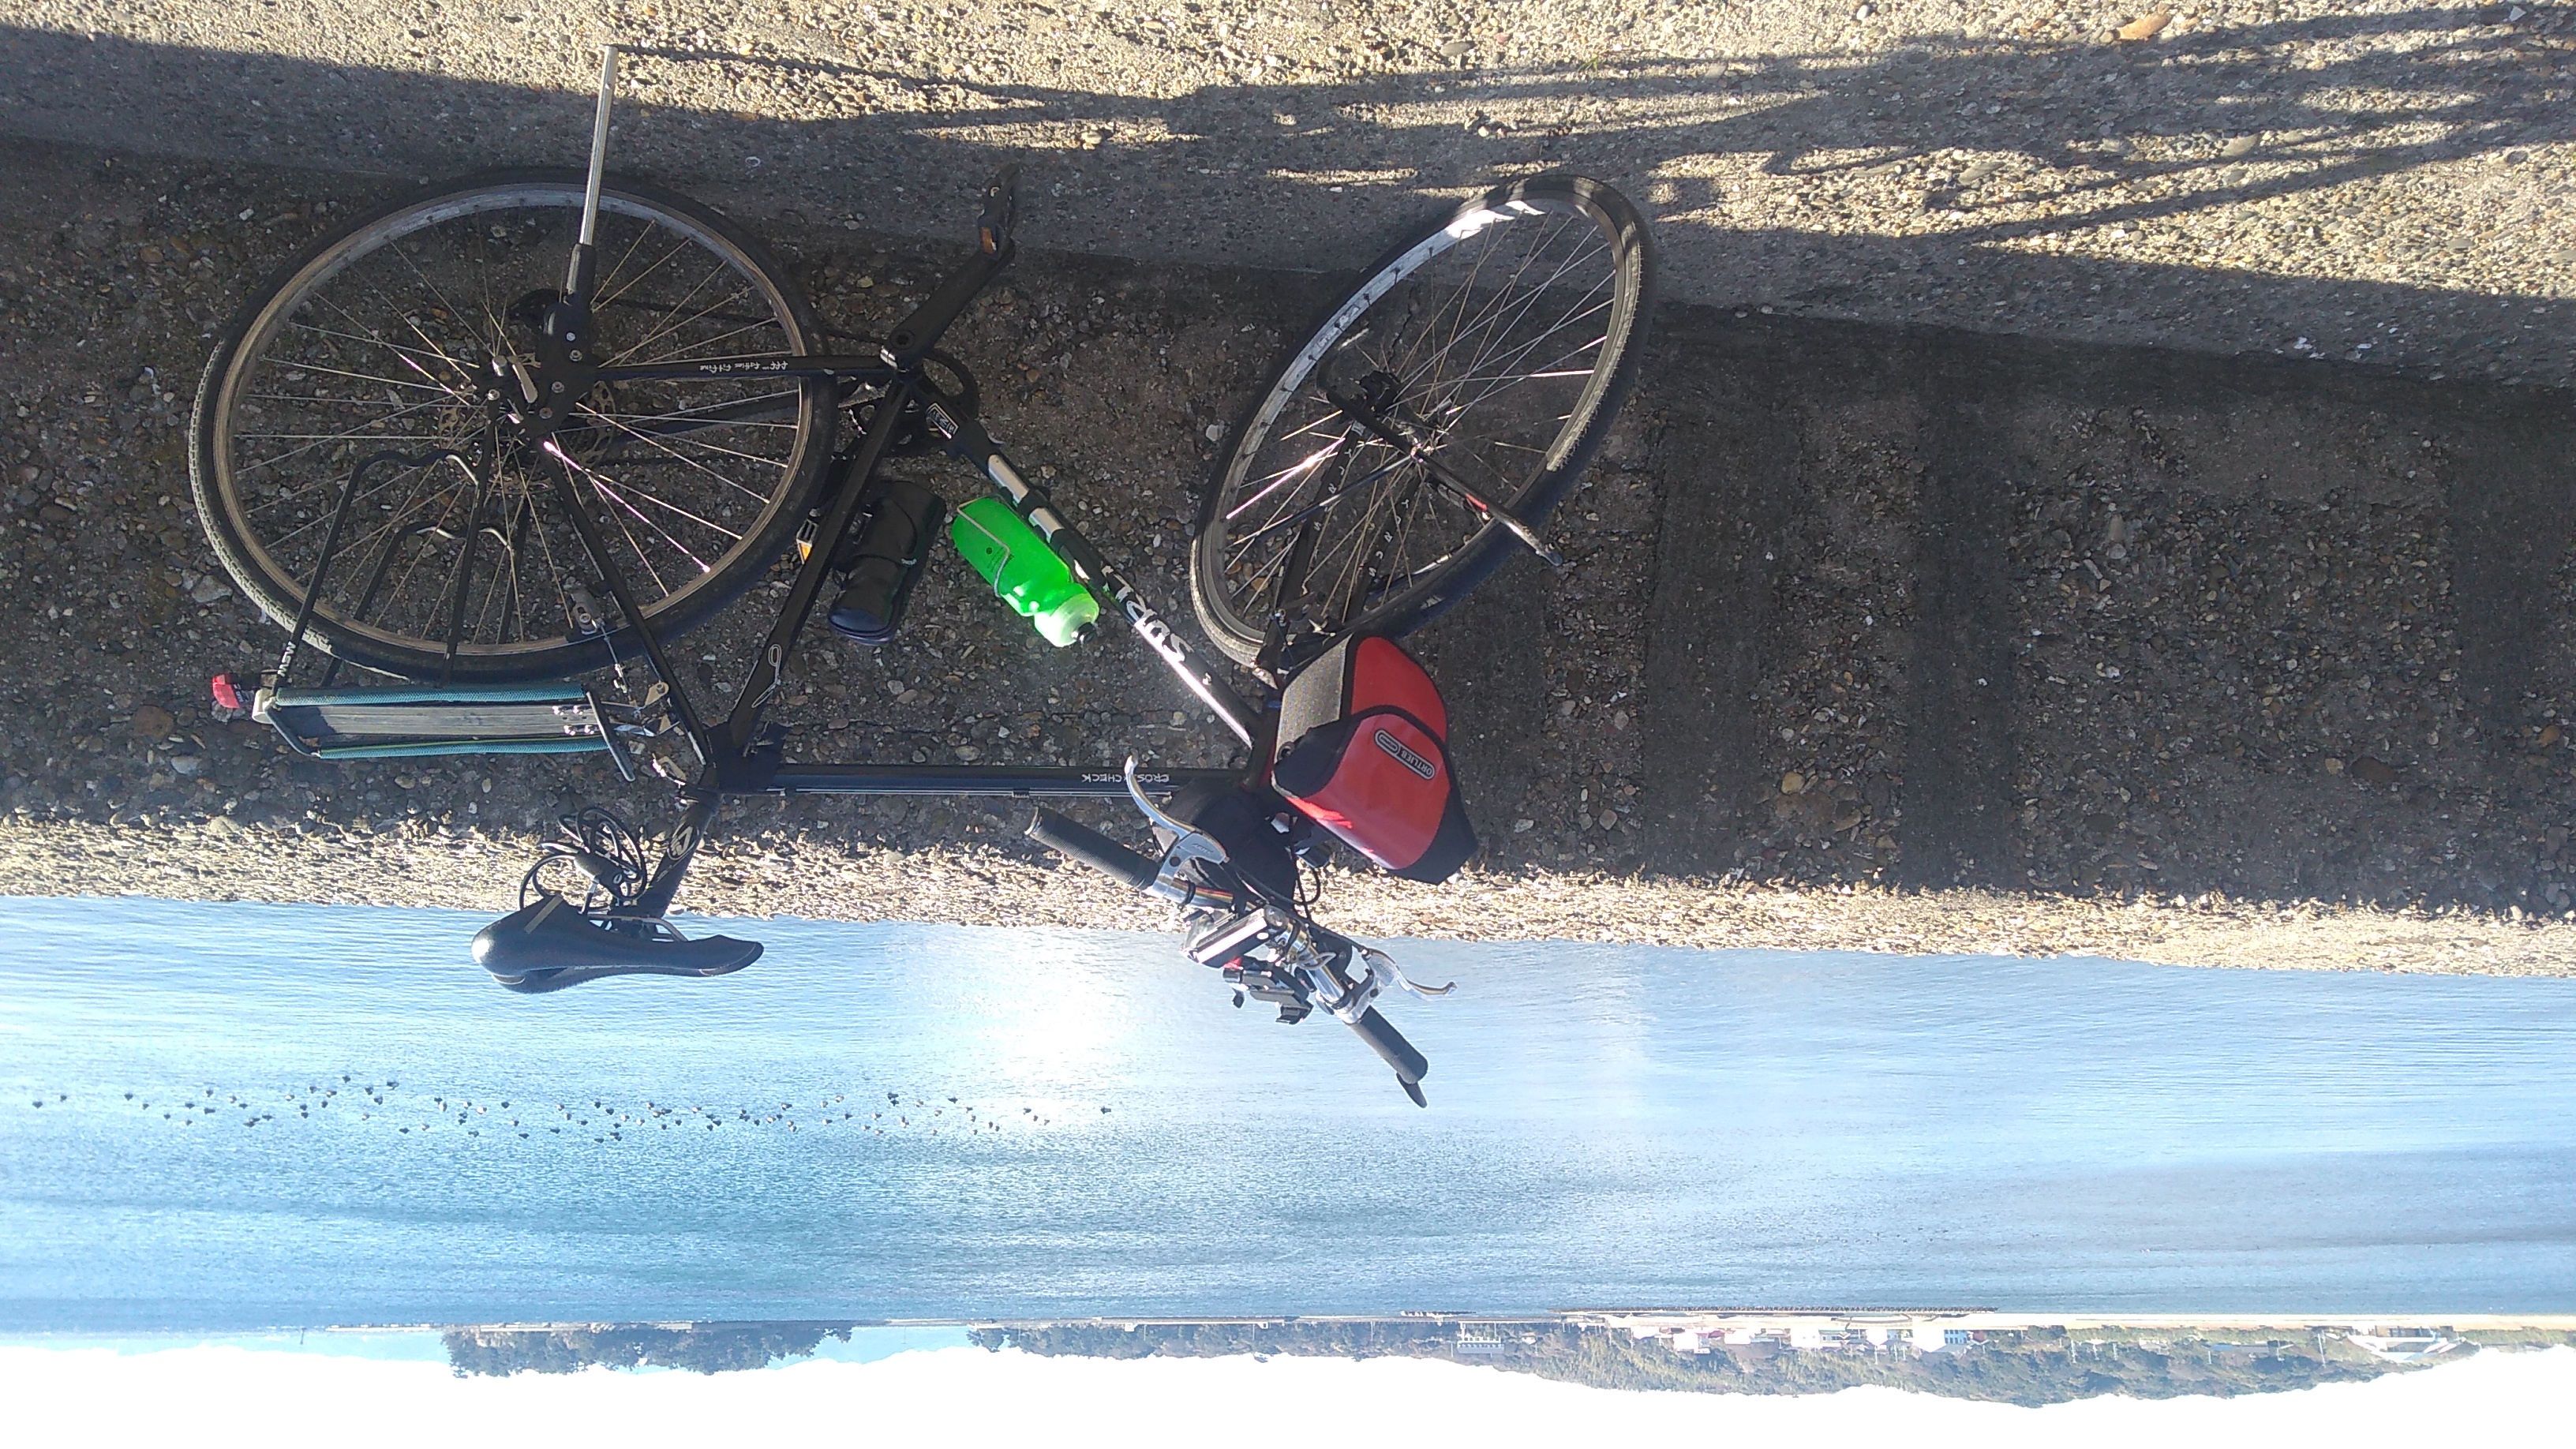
x=2029 y=1367
x=2026 y=1367
x=706 y=1348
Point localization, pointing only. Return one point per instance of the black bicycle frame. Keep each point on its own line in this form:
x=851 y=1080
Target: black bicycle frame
x=736 y=757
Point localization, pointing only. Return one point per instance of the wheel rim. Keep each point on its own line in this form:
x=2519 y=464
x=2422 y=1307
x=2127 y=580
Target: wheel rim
x=1495 y=337
x=384 y=344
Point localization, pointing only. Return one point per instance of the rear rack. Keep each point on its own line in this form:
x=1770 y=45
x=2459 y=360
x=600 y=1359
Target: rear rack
x=500 y=719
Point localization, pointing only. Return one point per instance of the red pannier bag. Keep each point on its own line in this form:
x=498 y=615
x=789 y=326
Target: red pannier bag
x=1364 y=751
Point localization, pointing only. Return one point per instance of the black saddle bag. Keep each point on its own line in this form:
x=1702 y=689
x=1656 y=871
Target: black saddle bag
x=882 y=556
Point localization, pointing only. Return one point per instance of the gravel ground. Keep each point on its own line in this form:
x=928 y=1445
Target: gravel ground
x=2183 y=726
x=2377 y=182
x=790 y=868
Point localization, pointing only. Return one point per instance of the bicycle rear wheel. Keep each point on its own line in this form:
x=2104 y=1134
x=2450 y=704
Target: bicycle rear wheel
x=1504 y=337
x=386 y=337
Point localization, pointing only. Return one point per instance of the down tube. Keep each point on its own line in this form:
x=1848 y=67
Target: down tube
x=1103 y=578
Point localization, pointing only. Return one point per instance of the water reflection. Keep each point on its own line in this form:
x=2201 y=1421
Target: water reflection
x=877 y=1126
x=1979 y=1356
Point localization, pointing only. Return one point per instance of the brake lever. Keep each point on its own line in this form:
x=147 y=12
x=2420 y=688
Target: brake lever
x=1362 y=994
x=1154 y=813
x=1383 y=967
x=1189 y=844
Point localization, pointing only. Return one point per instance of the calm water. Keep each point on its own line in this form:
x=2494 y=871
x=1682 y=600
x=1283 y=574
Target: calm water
x=1608 y=1126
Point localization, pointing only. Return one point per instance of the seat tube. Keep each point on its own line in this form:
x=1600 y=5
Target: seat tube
x=678 y=849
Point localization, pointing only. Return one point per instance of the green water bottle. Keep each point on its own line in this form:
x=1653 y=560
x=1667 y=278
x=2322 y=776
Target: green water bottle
x=1005 y=552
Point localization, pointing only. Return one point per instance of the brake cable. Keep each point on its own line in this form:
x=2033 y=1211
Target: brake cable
x=607 y=853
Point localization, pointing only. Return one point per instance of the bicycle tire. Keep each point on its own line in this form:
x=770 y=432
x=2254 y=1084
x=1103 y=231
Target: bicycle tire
x=1235 y=615
x=511 y=218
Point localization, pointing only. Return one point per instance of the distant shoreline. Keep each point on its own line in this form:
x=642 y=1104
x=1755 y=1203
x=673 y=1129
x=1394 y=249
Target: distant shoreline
x=419 y=865
x=2028 y=1360
x=1654 y=1319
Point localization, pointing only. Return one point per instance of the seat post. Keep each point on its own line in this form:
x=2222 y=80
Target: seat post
x=577 y=281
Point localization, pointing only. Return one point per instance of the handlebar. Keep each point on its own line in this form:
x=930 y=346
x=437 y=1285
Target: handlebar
x=1391 y=1047
x=1270 y=952
x=1082 y=843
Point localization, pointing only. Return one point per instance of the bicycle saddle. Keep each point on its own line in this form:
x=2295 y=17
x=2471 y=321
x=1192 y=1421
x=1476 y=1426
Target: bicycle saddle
x=550 y=945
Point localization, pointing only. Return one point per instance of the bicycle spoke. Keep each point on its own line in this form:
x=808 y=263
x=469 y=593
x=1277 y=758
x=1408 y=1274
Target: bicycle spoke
x=621 y=358
x=608 y=489
x=676 y=455
x=684 y=475
x=1289 y=475
x=609 y=296
x=1318 y=506
x=354 y=435
x=1468 y=286
x=706 y=342
x=1479 y=346
x=1500 y=326
x=1582 y=306
x=321 y=517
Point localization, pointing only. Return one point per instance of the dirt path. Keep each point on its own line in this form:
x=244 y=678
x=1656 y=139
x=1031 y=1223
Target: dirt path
x=1891 y=639
x=2382 y=184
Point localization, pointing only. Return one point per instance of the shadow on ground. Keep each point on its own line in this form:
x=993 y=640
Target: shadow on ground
x=1986 y=184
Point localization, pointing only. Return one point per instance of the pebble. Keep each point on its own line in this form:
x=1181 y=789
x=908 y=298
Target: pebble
x=152 y=722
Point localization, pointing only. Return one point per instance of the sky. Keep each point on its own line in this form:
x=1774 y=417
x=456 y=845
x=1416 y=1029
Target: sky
x=217 y=1395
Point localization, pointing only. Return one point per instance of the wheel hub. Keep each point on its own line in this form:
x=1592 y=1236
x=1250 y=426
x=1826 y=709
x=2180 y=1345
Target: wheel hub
x=540 y=371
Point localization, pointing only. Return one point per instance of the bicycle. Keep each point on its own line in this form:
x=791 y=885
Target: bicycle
x=432 y=456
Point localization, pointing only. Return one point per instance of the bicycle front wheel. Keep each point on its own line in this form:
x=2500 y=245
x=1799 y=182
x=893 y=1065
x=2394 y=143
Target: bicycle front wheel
x=1501 y=341
x=392 y=335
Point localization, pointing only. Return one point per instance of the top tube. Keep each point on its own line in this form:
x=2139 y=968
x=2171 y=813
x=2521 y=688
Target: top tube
x=775 y=364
